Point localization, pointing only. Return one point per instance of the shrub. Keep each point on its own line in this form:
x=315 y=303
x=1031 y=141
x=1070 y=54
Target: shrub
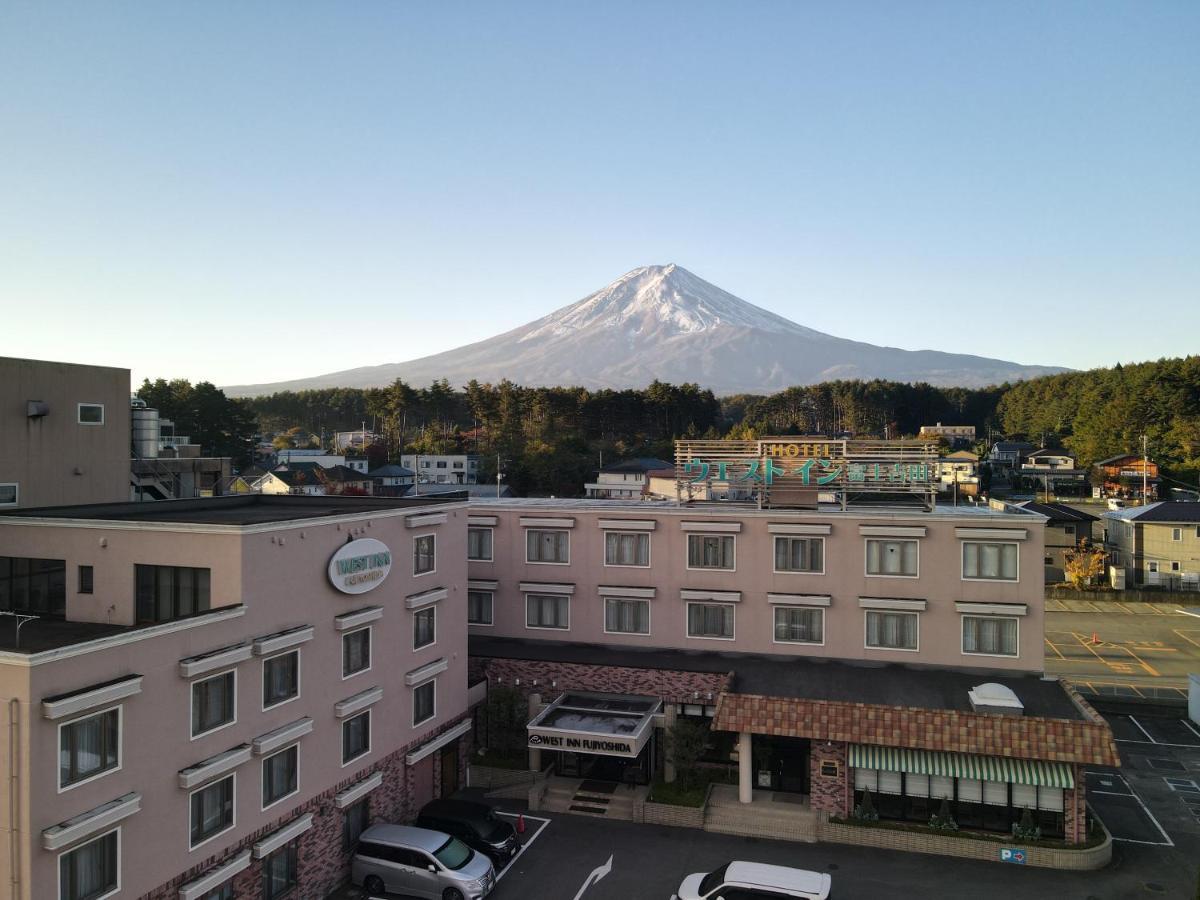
x=1026 y=829
x=865 y=811
x=943 y=820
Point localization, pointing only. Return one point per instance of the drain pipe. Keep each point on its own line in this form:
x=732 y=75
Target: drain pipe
x=14 y=795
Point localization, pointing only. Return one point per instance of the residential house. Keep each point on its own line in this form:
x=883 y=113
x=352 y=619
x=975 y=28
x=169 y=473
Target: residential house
x=959 y=472
x=1066 y=529
x=1009 y=454
x=1050 y=468
x=297 y=480
x=1157 y=544
x=344 y=480
x=392 y=480
x=444 y=468
x=1123 y=476
x=626 y=480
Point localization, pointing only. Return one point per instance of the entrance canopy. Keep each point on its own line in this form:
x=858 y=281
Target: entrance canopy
x=962 y=765
x=605 y=724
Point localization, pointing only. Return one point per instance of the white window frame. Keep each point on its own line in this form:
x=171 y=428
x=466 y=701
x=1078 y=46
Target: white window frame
x=962 y=636
x=492 y=606
x=1176 y=566
x=704 y=534
x=233 y=806
x=895 y=612
x=370 y=737
x=16 y=500
x=432 y=535
x=962 y=558
x=62 y=788
x=640 y=534
x=370 y=653
x=81 y=845
x=798 y=537
x=431 y=609
x=295 y=696
x=780 y=606
x=887 y=540
x=79 y=413
x=529 y=627
x=192 y=703
x=1152 y=566
x=263 y=775
x=687 y=621
x=430 y=718
x=1177 y=534
x=491 y=557
x=649 y=614
x=538 y=562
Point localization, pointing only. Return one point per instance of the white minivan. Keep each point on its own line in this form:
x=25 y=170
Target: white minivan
x=755 y=881
x=418 y=862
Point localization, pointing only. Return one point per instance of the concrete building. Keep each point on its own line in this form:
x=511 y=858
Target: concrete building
x=210 y=691
x=626 y=480
x=1156 y=545
x=448 y=468
x=1067 y=528
x=957 y=435
x=1051 y=469
x=64 y=433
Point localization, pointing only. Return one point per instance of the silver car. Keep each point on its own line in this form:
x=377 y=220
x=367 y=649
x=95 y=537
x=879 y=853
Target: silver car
x=417 y=862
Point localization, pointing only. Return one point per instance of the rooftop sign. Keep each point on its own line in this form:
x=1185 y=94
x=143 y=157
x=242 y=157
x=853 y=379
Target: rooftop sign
x=360 y=566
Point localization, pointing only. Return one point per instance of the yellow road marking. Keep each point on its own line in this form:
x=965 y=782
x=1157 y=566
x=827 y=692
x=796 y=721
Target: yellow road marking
x=1118 y=666
x=1050 y=644
x=1191 y=641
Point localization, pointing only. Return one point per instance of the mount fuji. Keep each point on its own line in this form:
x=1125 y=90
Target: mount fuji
x=664 y=322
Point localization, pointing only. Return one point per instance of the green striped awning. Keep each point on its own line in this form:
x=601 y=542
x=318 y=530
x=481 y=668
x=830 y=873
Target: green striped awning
x=962 y=765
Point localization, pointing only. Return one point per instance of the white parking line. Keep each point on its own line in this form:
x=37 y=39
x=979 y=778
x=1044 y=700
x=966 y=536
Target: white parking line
x=1190 y=727
x=525 y=845
x=1166 y=841
x=1156 y=744
x=1142 y=730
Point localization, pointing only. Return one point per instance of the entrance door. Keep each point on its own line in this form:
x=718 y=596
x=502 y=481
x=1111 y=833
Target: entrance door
x=792 y=766
x=422 y=782
x=449 y=769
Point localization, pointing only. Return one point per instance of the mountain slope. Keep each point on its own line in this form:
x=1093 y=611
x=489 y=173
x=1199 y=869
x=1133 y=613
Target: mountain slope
x=664 y=322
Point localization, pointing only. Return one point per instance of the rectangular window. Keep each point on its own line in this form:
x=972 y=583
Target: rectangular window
x=224 y=892
x=356 y=737
x=280 y=775
x=10 y=493
x=85 y=579
x=710 y=620
x=1175 y=566
x=214 y=703
x=212 y=810
x=281 y=678
x=989 y=561
x=547 y=546
x=281 y=872
x=358 y=819
x=36 y=587
x=91 y=413
x=892 y=630
x=989 y=635
x=892 y=558
x=424 y=702
x=479 y=544
x=1177 y=534
x=623 y=548
x=800 y=554
x=356 y=652
x=799 y=625
x=547 y=611
x=92 y=870
x=626 y=616
x=165 y=593
x=479 y=607
x=710 y=551
x=424 y=557
x=89 y=746
x=424 y=627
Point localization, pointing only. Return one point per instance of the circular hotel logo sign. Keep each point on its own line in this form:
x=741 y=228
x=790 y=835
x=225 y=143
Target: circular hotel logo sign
x=360 y=566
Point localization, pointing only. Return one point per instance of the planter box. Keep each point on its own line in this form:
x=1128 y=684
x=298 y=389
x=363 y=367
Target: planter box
x=669 y=814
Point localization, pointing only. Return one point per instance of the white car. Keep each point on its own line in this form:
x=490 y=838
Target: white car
x=755 y=881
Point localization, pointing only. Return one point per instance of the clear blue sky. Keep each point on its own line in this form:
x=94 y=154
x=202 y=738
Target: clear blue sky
x=251 y=192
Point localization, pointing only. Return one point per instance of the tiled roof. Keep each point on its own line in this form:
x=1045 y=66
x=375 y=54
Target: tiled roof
x=1167 y=511
x=1058 y=512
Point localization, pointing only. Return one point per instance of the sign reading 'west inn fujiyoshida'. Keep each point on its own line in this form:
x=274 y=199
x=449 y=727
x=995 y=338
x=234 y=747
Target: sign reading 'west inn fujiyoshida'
x=360 y=565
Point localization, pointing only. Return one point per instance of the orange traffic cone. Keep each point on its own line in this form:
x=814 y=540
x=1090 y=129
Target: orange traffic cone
x=520 y=823
x=1095 y=639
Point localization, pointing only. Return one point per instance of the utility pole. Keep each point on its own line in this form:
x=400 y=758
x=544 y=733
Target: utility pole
x=498 y=476
x=1145 y=466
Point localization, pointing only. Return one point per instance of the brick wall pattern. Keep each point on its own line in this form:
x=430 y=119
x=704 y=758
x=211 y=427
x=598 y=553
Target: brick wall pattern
x=672 y=686
x=830 y=793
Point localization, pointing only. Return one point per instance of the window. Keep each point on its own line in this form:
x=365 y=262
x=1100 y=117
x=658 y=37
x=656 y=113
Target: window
x=88 y=747
x=212 y=810
x=989 y=635
x=799 y=554
x=170 y=592
x=441 y=463
x=993 y=562
x=214 y=703
x=91 y=870
x=281 y=678
x=799 y=625
x=224 y=892
x=479 y=544
x=280 y=871
x=424 y=627
x=356 y=737
x=1177 y=534
x=280 y=775
x=547 y=611
x=710 y=551
x=356 y=652
x=424 y=558
x=358 y=819
x=547 y=546
x=710 y=620
x=626 y=616
x=623 y=548
x=479 y=607
x=424 y=702
x=85 y=579
x=891 y=630
x=10 y=493
x=34 y=586
x=91 y=413
x=1174 y=565
x=1152 y=566
x=894 y=558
